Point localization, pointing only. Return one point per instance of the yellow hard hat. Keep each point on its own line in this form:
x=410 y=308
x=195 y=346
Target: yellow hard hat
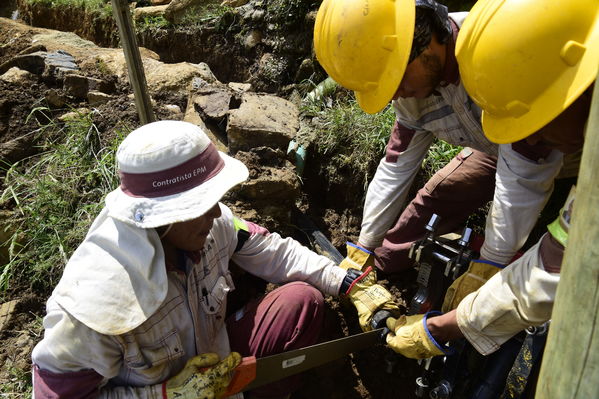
x=365 y=45
x=525 y=61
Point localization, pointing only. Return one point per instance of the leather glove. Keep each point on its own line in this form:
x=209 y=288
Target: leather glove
x=367 y=296
x=409 y=336
x=204 y=376
x=357 y=258
x=479 y=271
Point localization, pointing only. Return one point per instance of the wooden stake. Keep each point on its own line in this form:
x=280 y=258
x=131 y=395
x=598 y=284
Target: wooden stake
x=137 y=78
x=570 y=367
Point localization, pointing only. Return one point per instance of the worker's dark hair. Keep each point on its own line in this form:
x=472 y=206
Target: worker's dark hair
x=430 y=17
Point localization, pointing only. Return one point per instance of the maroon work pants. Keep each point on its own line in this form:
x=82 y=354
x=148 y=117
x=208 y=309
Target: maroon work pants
x=465 y=184
x=289 y=317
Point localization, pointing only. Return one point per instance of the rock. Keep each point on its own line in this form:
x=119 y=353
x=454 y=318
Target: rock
x=16 y=149
x=258 y=15
x=159 y=2
x=175 y=77
x=102 y=85
x=54 y=63
x=159 y=76
x=33 y=63
x=305 y=70
x=271 y=69
x=33 y=49
x=212 y=102
x=240 y=87
x=7 y=311
x=273 y=184
x=55 y=99
x=60 y=62
x=262 y=120
x=76 y=86
x=95 y=98
x=234 y=3
x=216 y=136
x=152 y=11
x=73 y=115
x=132 y=98
x=173 y=109
x=252 y=39
x=17 y=76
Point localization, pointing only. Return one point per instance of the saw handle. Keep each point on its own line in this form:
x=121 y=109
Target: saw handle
x=243 y=374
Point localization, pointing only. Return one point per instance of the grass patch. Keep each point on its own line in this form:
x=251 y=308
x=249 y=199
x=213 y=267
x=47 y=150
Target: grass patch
x=350 y=136
x=357 y=139
x=18 y=384
x=102 y=7
x=210 y=14
x=150 y=23
x=53 y=198
x=439 y=154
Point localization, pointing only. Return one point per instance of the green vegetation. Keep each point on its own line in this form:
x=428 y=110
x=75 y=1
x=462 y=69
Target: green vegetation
x=19 y=383
x=53 y=198
x=102 y=7
x=288 y=12
x=349 y=135
x=357 y=139
x=195 y=17
x=438 y=155
x=151 y=23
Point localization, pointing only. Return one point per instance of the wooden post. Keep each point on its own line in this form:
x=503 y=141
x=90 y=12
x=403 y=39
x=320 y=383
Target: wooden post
x=137 y=78
x=570 y=367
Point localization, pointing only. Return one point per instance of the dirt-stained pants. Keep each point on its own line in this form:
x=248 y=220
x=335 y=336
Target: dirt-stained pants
x=287 y=318
x=465 y=184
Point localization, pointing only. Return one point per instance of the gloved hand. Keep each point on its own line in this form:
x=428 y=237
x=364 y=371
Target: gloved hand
x=479 y=271
x=409 y=336
x=203 y=376
x=357 y=258
x=367 y=296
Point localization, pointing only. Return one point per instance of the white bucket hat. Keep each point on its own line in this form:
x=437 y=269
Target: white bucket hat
x=170 y=172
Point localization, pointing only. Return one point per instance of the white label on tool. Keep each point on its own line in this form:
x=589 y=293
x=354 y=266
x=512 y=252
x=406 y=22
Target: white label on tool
x=294 y=361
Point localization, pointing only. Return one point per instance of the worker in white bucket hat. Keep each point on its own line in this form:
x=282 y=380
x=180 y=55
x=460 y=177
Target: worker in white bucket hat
x=140 y=310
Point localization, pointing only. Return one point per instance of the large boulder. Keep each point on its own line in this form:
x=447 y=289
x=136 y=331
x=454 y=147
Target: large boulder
x=262 y=120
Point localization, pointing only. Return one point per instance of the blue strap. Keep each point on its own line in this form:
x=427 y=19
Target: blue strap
x=359 y=247
x=443 y=348
x=489 y=262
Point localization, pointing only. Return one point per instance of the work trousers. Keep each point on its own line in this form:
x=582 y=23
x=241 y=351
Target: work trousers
x=457 y=190
x=287 y=318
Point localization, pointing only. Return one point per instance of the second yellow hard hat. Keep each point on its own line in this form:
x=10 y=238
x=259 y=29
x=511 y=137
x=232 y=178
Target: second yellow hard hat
x=525 y=61
x=364 y=45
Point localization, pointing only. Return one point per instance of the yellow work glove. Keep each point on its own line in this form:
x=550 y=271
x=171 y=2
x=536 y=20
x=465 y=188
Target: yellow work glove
x=409 y=336
x=357 y=258
x=361 y=288
x=479 y=271
x=204 y=376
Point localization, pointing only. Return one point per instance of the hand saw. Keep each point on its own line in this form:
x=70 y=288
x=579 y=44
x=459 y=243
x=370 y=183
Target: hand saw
x=254 y=372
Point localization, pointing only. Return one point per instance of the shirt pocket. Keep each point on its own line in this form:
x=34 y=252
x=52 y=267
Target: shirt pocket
x=150 y=363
